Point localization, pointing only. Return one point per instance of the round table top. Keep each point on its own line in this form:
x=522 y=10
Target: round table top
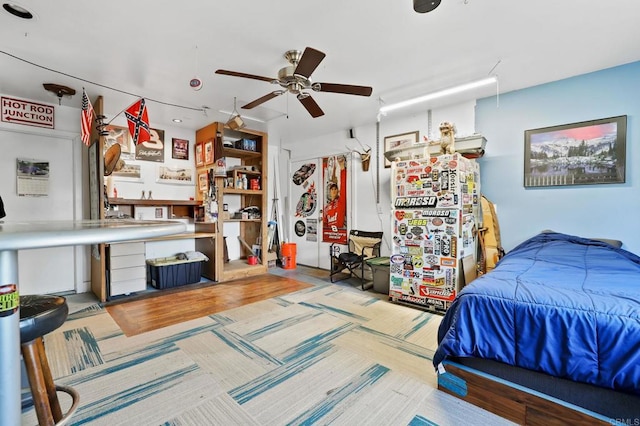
x=17 y=235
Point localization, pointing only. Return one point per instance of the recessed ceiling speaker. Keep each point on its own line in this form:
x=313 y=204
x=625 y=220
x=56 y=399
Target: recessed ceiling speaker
x=424 y=6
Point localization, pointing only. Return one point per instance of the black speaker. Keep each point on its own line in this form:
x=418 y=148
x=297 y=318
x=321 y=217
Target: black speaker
x=424 y=6
x=352 y=133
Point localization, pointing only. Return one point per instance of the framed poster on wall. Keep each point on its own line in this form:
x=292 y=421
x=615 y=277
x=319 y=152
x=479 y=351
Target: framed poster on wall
x=199 y=154
x=179 y=149
x=584 y=153
x=403 y=140
x=208 y=153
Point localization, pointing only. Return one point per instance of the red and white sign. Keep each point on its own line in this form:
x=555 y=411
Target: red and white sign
x=18 y=111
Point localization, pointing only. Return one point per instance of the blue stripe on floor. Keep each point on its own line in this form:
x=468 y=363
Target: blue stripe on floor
x=339 y=395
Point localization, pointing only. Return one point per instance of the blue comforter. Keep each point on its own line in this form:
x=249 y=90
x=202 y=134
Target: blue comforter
x=558 y=304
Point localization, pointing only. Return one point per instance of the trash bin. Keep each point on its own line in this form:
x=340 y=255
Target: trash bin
x=380 y=268
x=289 y=256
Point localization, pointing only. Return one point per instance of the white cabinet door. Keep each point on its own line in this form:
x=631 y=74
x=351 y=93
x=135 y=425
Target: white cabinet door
x=305 y=187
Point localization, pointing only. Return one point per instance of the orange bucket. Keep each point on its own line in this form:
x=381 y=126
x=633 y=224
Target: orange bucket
x=289 y=255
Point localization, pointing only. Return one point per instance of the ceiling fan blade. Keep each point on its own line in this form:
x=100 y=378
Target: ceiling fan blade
x=311 y=105
x=343 y=88
x=263 y=99
x=244 y=75
x=309 y=61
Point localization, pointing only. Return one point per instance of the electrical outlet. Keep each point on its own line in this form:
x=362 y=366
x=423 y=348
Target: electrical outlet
x=379 y=208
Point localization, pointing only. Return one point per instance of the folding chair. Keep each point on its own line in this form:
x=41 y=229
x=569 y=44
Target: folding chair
x=361 y=246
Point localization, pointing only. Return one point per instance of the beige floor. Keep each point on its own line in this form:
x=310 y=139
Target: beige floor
x=80 y=301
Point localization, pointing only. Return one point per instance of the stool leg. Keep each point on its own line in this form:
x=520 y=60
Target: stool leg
x=43 y=390
x=54 y=403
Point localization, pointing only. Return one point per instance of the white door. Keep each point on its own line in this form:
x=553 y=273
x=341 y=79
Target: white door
x=38 y=184
x=305 y=187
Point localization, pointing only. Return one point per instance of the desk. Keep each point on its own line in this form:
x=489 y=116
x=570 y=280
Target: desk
x=16 y=236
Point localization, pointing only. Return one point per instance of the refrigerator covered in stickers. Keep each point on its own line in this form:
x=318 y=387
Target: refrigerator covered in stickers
x=435 y=206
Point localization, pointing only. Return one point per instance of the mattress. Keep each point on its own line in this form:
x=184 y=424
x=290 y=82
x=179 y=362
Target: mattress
x=558 y=304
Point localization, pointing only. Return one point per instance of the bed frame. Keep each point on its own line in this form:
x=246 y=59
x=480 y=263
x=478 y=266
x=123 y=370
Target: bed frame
x=535 y=398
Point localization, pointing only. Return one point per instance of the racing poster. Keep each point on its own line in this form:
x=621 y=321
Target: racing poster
x=334 y=212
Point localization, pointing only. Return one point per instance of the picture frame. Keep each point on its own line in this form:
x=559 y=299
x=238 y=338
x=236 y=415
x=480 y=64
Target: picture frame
x=153 y=149
x=583 y=153
x=203 y=181
x=121 y=136
x=199 y=154
x=208 y=152
x=179 y=149
x=175 y=175
x=402 y=140
x=129 y=173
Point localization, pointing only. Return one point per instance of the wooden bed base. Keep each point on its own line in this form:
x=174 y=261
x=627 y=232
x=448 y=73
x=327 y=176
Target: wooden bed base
x=512 y=401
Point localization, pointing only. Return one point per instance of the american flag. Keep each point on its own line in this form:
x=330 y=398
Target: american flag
x=138 y=122
x=86 y=117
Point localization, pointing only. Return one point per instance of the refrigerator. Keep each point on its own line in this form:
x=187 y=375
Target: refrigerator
x=435 y=208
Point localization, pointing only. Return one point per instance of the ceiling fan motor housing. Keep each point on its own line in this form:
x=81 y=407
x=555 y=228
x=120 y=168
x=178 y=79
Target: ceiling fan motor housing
x=294 y=83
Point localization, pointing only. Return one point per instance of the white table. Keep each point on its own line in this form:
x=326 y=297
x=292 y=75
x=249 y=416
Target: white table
x=16 y=236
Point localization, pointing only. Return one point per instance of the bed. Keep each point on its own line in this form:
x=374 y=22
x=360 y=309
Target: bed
x=553 y=332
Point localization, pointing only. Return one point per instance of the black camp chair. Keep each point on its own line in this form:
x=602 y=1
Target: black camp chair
x=361 y=246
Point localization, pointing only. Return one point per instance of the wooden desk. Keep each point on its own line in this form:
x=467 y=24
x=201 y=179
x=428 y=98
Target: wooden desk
x=16 y=236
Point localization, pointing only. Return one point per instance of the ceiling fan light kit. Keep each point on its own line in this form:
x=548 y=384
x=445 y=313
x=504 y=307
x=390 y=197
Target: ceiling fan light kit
x=295 y=79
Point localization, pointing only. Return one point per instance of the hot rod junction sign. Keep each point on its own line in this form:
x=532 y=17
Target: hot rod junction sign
x=18 y=111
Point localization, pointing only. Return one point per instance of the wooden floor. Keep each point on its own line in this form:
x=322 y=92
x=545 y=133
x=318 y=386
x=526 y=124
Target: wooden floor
x=176 y=305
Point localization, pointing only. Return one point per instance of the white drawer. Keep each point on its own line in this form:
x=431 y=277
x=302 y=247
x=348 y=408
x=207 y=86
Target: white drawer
x=125 y=274
x=128 y=286
x=118 y=262
x=123 y=249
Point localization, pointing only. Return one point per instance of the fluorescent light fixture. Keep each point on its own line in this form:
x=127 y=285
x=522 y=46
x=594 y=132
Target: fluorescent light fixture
x=439 y=94
x=244 y=116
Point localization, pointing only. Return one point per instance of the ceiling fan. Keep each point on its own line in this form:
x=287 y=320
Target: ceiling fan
x=295 y=79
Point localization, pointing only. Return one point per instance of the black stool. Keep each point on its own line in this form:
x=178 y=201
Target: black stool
x=40 y=315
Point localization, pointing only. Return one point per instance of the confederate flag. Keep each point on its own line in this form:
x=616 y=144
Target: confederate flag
x=86 y=116
x=138 y=122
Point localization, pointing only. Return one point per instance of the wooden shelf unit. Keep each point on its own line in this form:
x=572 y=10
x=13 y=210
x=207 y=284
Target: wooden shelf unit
x=178 y=209
x=251 y=230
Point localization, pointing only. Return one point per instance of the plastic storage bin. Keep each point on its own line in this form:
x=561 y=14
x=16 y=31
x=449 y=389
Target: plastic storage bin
x=167 y=272
x=380 y=268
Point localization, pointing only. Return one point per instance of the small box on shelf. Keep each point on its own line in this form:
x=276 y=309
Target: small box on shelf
x=246 y=144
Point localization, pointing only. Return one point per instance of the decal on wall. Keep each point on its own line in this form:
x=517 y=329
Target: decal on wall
x=312 y=229
x=303 y=173
x=299 y=228
x=308 y=202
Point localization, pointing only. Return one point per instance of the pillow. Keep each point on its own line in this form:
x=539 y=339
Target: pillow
x=614 y=243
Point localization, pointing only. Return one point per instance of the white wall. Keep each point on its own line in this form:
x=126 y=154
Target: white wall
x=149 y=169
x=68 y=268
x=367 y=209
x=365 y=212
x=607 y=210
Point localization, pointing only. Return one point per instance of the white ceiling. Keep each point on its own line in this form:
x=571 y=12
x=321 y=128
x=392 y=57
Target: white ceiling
x=152 y=49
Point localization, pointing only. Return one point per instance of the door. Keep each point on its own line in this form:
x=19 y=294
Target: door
x=305 y=188
x=39 y=184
